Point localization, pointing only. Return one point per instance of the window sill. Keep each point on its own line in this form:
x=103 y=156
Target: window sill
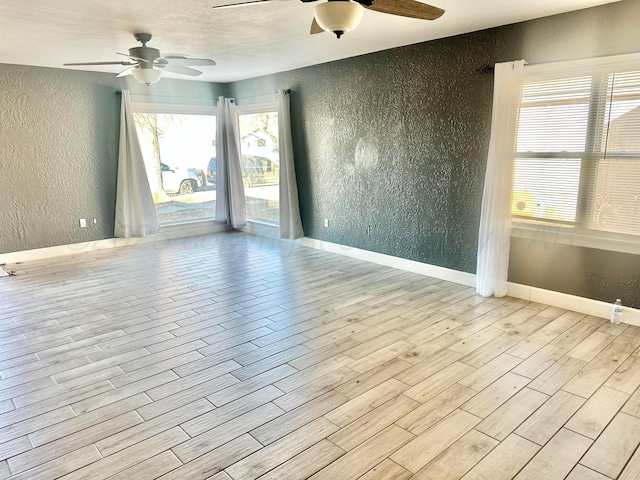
x=262 y=229
x=202 y=227
x=586 y=239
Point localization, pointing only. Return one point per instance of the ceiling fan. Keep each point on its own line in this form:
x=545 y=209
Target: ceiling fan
x=341 y=16
x=146 y=63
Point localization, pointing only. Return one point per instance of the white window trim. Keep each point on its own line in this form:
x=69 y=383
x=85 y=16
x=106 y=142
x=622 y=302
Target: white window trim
x=260 y=107
x=587 y=65
x=176 y=109
x=576 y=236
x=550 y=235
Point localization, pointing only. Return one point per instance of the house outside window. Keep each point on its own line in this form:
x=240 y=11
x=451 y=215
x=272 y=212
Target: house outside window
x=260 y=158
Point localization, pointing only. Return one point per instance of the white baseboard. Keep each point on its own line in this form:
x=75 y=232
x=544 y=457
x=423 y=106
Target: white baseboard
x=166 y=233
x=533 y=294
x=588 y=306
x=434 y=271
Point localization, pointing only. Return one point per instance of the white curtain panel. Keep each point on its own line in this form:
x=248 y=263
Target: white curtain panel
x=230 y=200
x=290 y=222
x=495 y=220
x=135 y=211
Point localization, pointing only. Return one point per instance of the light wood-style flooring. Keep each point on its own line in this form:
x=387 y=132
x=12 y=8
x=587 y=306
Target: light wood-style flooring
x=232 y=356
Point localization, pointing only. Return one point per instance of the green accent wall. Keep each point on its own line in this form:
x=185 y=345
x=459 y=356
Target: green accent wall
x=59 y=135
x=397 y=141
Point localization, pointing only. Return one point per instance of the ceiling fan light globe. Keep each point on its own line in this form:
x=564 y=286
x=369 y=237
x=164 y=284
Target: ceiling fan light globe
x=148 y=76
x=338 y=16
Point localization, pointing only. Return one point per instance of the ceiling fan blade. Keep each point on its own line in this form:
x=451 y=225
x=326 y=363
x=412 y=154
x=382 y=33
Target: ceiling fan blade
x=315 y=28
x=175 y=55
x=240 y=4
x=99 y=63
x=407 y=8
x=181 y=70
x=133 y=58
x=190 y=62
x=126 y=71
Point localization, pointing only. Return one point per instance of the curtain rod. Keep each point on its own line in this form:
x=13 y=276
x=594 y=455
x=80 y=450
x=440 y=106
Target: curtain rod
x=263 y=98
x=484 y=69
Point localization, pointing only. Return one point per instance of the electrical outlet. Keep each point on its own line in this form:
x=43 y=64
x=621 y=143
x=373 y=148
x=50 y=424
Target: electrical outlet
x=83 y=223
x=368 y=229
x=95 y=221
x=326 y=222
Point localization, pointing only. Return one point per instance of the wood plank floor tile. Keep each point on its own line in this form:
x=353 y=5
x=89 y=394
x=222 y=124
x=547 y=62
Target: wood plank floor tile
x=590 y=347
x=632 y=407
x=632 y=469
x=615 y=446
x=428 y=445
x=387 y=470
x=183 y=362
x=150 y=468
x=62 y=465
x=489 y=351
x=550 y=417
x=217 y=436
x=459 y=458
x=316 y=388
x=230 y=411
x=192 y=379
x=364 y=457
x=151 y=428
x=438 y=382
x=581 y=472
x=367 y=401
x=130 y=456
x=280 y=451
x=427 y=367
x=485 y=402
x=557 y=375
x=557 y=458
x=505 y=460
x=184 y=397
x=627 y=376
x=14 y=447
x=490 y=372
x=69 y=443
x=216 y=460
x=434 y=410
x=298 y=417
x=39 y=422
x=597 y=412
x=365 y=427
x=598 y=370
x=125 y=391
x=506 y=418
x=305 y=464
x=75 y=424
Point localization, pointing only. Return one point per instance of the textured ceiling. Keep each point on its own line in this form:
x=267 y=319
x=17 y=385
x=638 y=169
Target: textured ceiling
x=245 y=42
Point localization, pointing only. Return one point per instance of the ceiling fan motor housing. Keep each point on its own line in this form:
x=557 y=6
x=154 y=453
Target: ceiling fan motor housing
x=146 y=53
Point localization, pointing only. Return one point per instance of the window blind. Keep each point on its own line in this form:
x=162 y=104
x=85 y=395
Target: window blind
x=578 y=149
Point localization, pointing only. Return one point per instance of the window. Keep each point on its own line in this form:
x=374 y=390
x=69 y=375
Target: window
x=178 y=146
x=260 y=159
x=578 y=149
